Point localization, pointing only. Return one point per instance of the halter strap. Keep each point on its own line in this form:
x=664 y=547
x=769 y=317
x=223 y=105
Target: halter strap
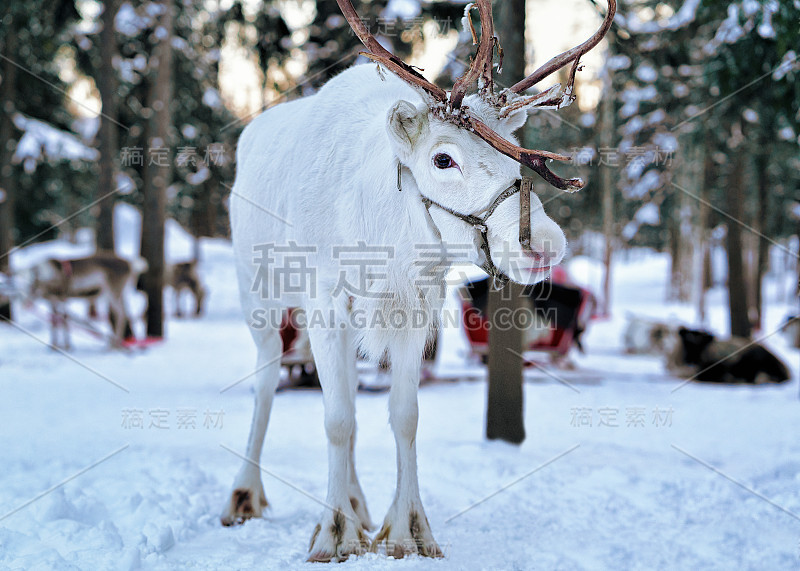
x=524 y=186
x=471 y=219
x=479 y=222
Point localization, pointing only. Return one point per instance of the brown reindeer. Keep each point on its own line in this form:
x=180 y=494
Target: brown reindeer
x=101 y=275
x=183 y=276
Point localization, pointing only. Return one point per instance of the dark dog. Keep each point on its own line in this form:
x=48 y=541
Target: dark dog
x=699 y=355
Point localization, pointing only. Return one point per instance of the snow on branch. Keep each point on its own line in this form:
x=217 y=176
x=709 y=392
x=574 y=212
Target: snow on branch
x=647 y=214
x=128 y=22
x=41 y=141
x=741 y=20
x=682 y=18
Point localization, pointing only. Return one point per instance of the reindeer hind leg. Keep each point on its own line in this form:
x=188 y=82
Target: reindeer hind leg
x=59 y=334
x=117 y=314
x=176 y=290
x=53 y=325
x=247 y=499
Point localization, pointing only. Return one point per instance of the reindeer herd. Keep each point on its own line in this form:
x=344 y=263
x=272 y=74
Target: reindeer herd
x=102 y=278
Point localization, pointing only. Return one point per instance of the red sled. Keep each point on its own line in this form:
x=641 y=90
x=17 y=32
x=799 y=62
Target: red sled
x=559 y=315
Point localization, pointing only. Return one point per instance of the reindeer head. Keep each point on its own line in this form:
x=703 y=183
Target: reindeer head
x=463 y=155
x=461 y=177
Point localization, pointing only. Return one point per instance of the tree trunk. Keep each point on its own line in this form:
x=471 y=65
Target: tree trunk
x=737 y=282
x=686 y=242
x=107 y=140
x=157 y=174
x=674 y=250
x=761 y=224
x=504 y=409
x=7 y=190
x=704 y=230
x=797 y=294
x=792 y=264
x=607 y=186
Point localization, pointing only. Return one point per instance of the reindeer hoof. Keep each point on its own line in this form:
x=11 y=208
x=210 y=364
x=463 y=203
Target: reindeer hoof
x=360 y=507
x=337 y=537
x=414 y=537
x=244 y=504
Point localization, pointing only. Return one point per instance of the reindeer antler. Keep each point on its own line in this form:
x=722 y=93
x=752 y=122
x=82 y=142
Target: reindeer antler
x=572 y=55
x=386 y=58
x=480 y=72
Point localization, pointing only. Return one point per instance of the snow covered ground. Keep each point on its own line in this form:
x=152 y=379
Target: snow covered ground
x=118 y=461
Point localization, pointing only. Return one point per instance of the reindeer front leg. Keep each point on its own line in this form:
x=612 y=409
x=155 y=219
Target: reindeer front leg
x=53 y=325
x=406 y=528
x=58 y=322
x=339 y=531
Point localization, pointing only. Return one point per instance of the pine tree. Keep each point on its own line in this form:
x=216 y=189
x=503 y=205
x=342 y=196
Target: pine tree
x=30 y=86
x=697 y=78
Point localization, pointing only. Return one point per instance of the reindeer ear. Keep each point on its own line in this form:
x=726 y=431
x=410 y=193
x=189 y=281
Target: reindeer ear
x=516 y=119
x=405 y=125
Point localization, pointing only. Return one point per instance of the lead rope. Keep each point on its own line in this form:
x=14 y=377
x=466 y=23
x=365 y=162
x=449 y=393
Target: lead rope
x=525 y=213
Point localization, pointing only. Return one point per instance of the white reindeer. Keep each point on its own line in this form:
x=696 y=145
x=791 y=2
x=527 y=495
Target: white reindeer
x=378 y=163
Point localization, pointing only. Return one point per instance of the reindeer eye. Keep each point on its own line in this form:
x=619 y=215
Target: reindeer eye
x=443 y=161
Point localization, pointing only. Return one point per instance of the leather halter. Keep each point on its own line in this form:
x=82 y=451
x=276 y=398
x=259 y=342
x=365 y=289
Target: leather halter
x=524 y=187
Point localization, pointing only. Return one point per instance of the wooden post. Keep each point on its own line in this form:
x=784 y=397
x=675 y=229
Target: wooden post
x=504 y=409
